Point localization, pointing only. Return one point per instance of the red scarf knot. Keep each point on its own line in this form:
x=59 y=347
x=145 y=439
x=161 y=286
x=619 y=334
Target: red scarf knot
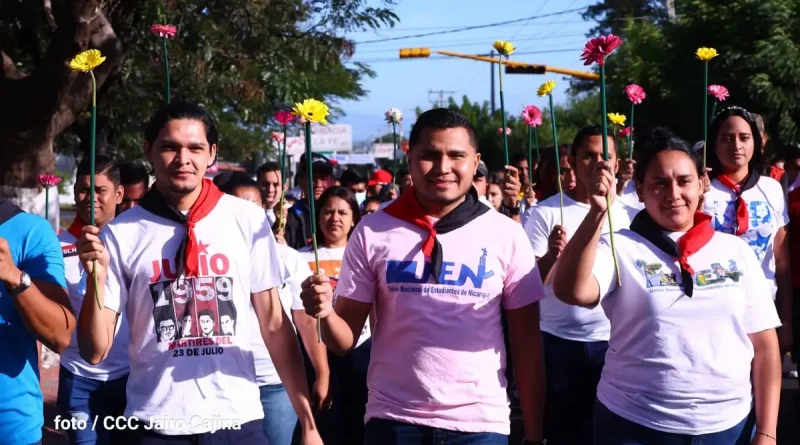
x=742 y=217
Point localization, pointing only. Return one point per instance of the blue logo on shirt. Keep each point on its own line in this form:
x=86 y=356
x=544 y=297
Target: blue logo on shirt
x=399 y=271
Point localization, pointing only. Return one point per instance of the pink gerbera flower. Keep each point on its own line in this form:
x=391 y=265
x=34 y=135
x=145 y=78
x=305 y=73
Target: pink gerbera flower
x=500 y=131
x=635 y=93
x=719 y=92
x=48 y=180
x=532 y=116
x=598 y=48
x=284 y=117
x=625 y=132
x=277 y=136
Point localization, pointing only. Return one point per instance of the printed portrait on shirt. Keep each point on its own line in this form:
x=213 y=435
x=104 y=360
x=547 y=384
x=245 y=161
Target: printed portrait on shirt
x=166 y=328
x=659 y=275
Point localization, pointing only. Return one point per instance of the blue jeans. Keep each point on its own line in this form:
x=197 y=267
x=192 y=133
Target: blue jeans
x=250 y=433
x=611 y=429
x=573 y=371
x=279 y=416
x=390 y=432
x=82 y=398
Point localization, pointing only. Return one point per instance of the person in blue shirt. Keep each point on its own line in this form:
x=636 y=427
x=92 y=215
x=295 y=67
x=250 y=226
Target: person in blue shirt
x=33 y=306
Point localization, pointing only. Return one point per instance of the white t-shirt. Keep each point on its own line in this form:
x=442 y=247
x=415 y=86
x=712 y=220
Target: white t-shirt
x=298 y=271
x=556 y=317
x=271 y=217
x=677 y=364
x=330 y=260
x=190 y=353
x=766 y=205
x=116 y=363
x=629 y=196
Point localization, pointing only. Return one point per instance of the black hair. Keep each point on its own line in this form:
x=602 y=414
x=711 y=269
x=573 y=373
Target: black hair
x=519 y=157
x=653 y=142
x=494 y=178
x=179 y=110
x=712 y=160
x=206 y=312
x=402 y=172
x=350 y=177
x=370 y=200
x=585 y=132
x=134 y=172
x=267 y=167
x=384 y=195
x=340 y=192
x=441 y=118
x=792 y=153
x=229 y=182
x=103 y=165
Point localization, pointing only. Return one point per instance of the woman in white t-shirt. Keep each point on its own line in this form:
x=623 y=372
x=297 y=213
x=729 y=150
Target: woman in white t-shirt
x=748 y=205
x=338 y=216
x=279 y=415
x=690 y=322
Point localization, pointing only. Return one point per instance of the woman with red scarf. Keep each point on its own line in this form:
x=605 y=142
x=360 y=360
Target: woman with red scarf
x=690 y=322
x=753 y=207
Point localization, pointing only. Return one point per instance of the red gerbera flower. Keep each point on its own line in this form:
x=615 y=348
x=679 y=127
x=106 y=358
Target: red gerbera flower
x=625 y=132
x=284 y=117
x=598 y=48
x=164 y=31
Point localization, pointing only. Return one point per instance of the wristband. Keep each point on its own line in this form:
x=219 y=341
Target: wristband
x=761 y=433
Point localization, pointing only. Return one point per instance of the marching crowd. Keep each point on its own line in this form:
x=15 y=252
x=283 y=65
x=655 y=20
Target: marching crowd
x=451 y=305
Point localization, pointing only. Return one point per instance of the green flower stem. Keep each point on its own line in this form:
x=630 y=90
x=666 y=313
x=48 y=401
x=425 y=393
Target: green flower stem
x=166 y=69
x=310 y=197
x=503 y=109
x=47 y=204
x=713 y=110
x=394 y=152
x=705 y=113
x=605 y=157
x=536 y=144
x=282 y=220
x=557 y=158
x=530 y=155
x=92 y=156
x=630 y=134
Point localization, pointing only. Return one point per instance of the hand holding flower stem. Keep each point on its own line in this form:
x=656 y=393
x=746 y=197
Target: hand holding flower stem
x=596 y=51
x=86 y=62
x=312 y=111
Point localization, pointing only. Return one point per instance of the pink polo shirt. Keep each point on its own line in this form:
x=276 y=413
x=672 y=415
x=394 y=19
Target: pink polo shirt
x=438 y=355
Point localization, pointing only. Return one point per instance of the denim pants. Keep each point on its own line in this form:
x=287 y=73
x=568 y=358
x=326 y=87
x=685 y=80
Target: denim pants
x=279 y=416
x=611 y=429
x=85 y=399
x=573 y=371
x=390 y=432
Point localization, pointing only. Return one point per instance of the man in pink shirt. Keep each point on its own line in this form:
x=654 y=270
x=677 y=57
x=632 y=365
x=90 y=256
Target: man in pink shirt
x=440 y=269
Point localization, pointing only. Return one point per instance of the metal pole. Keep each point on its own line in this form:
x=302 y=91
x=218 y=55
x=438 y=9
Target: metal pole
x=491 y=71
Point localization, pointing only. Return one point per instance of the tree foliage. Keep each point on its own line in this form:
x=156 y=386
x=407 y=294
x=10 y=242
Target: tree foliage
x=242 y=60
x=580 y=111
x=758 y=42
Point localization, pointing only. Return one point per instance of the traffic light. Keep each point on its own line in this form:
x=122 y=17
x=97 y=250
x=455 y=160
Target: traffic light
x=527 y=69
x=411 y=53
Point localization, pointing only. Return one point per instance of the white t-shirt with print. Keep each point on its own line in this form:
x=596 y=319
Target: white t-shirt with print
x=297 y=271
x=766 y=205
x=116 y=363
x=629 y=196
x=674 y=363
x=556 y=317
x=330 y=260
x=190 y=347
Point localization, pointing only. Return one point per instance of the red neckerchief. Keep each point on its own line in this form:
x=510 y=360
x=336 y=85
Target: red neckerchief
x=776 y=173
x=407 y=208
x=154 y=203
x=742 y=217
x=690 y=243
x=76 y=228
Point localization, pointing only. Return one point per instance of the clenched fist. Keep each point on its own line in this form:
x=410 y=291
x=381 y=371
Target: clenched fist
x=91 y=251
x=317 y=296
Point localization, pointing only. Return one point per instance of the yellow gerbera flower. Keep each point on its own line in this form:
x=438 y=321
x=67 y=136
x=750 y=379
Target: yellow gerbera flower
x=503 y=47
x=87 y=61
x=617 y=119
x=706 y=54
x=546 y=88
x=312 y=110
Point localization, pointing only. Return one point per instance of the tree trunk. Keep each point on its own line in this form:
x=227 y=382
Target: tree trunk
x=40 y=105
